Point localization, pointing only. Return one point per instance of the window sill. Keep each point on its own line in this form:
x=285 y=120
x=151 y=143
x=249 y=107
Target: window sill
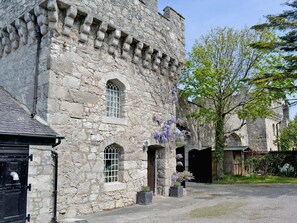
x=113 y=120
x=114 y=186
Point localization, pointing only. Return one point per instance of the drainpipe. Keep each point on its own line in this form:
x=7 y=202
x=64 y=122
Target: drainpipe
x=55 y=192
x=38 y=38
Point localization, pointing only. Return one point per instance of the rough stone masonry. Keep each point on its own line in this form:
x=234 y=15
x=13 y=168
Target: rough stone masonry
x=86 y=45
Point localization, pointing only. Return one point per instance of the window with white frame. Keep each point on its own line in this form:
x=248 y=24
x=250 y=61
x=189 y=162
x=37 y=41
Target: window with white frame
x=113 y=100
x=111 y=163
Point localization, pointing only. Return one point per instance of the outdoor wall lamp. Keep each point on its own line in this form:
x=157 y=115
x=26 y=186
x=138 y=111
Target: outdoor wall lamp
x=145 y=145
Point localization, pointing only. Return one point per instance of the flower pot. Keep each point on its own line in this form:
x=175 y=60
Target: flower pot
x=144 y=198
x=176 y=191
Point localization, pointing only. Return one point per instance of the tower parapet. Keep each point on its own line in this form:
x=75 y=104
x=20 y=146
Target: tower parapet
x=137 y=18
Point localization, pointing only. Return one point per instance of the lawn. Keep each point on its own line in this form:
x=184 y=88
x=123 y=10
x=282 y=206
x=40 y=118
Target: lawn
x=254 y=179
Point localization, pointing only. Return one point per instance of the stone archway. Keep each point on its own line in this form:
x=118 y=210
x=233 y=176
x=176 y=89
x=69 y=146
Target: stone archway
x=234 y=140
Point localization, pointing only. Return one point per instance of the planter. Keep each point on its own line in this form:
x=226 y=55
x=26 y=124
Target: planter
x=176 y=191
x=144 y=198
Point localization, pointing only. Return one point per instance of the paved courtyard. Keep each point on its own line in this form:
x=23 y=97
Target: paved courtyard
x=213 y=204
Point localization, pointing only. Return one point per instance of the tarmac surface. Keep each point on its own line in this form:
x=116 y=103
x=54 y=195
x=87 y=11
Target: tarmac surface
x=212 y=203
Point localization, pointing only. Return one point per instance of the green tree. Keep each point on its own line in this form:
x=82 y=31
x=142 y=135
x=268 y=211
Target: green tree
x=283 y=76
x=288 y=136
x=213 y=79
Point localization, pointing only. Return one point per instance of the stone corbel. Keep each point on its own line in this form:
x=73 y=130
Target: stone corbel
x=52 y=14
x=29 y=18
x=138 y=53
x=156 y=60
x=22 y=30
x=69 y=20
x=165 y=64
x=148 y=57
x=6 y=42
x=85 y=29
x=42 y=19
x=114 y=41
x=101 y=33
x=127 y=46
x=173 y=68
x=13 y=36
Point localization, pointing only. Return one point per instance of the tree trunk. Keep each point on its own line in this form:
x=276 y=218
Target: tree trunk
x=219 y=145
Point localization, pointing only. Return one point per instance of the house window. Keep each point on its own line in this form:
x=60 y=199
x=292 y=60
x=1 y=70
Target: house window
x=113 y=100
x=111 y=164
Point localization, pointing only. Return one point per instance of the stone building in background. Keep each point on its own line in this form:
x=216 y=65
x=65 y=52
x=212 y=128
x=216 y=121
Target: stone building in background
x=96 y=71
x=258 y=135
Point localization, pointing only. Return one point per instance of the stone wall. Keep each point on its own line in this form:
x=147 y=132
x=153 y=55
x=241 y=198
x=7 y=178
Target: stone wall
x=85 y=44
x=40 y=198
x=137 y=18
x=78 y=76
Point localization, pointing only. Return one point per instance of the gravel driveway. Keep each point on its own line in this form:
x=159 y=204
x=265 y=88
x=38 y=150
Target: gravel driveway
x=214 y=204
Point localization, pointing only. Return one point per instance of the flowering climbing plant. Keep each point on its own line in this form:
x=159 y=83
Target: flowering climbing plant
x=167 y=131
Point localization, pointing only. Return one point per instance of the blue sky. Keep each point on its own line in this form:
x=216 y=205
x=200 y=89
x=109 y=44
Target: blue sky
x=202 y=15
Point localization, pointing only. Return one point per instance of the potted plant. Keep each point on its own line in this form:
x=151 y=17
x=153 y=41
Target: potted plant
x=176 y=190
x=178 y=183
x=144 y=196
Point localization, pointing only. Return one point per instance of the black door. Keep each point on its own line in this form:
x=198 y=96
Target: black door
x=151 y=168
x=13 y=183
x=200 y=165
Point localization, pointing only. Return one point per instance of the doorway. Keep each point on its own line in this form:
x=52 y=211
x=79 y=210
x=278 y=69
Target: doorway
x=13 y=183
x=200 y=164
x=151 y=169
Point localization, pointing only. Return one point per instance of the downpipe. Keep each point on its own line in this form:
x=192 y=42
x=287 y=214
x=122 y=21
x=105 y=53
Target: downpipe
x=55 y=157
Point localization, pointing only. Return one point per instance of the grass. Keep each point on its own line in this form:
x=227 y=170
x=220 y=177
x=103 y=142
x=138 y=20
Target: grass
x=218 y=210
x=255 y=179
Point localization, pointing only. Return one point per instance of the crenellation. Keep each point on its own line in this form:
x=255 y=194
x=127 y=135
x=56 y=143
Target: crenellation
x=30 y=18
x=157 y=56
x=13 y=36
x=165 y=64
x=71 y=13
x=101 y=33
x=53 y=16
x=42 y=19
x=126 y=46
x=114 y=40
x=148 y=57
x=173 y=68
x=21 y=26
x=5 y=42
x=137 y=53
x=85 y=28
x=47 y=18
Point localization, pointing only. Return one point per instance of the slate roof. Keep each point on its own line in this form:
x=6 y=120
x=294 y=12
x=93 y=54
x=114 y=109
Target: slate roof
x=237 y=148
x=15 y=120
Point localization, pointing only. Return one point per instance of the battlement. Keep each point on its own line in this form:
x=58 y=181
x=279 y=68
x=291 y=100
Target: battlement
x=143 y=44
x=138 y=18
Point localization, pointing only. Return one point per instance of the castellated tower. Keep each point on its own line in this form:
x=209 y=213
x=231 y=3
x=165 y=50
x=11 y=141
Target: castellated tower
x=95 y=71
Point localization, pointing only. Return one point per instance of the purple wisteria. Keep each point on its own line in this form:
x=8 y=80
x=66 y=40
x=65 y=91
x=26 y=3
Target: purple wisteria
x=166 y=133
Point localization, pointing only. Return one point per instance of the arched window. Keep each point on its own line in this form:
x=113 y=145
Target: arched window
x=111 y=163
x=234 y=140
x=113 y=100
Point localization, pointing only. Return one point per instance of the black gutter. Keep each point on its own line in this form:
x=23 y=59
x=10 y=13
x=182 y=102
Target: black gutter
x=55 y=157
x=38 y=38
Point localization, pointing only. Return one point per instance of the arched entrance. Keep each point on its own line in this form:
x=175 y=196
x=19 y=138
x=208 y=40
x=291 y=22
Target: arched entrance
x=200 y=164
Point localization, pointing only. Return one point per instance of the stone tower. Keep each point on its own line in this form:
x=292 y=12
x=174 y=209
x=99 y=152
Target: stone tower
x=95 y=71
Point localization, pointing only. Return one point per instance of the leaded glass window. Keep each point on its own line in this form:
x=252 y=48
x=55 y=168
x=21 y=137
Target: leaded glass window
x=113 y=100
x=111 y=164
